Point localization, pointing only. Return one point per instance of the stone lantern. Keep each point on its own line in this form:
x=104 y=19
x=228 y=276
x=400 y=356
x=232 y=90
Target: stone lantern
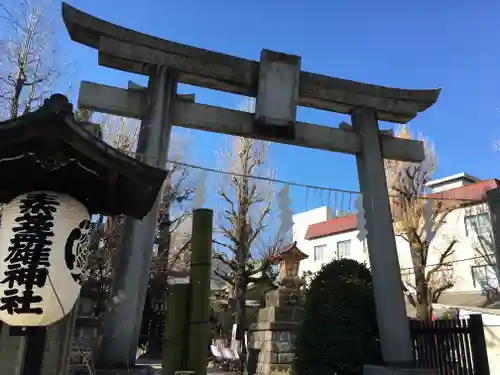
x=289 y=260
x=271 y=338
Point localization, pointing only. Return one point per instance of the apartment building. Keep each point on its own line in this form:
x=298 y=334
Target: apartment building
x=324 y=237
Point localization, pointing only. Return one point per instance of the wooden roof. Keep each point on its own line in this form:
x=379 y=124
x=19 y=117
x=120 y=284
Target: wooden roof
x=47 y=150
x=289 y=251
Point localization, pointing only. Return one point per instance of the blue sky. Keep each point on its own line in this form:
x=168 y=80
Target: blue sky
x=419 y=44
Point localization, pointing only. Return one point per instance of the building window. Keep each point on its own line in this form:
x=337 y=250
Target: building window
x=319 y=252
x=484 y=276
x=343 y=249
x=479 y=224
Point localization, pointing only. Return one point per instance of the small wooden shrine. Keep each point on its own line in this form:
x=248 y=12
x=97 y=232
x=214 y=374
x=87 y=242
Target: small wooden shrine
x=289 y=259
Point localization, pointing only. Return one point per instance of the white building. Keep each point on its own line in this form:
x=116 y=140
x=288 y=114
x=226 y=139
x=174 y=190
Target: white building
x=325 y=237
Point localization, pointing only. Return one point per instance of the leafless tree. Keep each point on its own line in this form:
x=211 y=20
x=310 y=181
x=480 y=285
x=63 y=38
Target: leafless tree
x=417 y=219
x=107 y=231
x=122 y=133
x=244 y=221
x=31 y=63
x=174 y=246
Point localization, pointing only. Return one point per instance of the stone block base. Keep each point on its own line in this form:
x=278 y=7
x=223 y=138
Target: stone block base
x=273 y=368
x=137 y=370
x=381 y=370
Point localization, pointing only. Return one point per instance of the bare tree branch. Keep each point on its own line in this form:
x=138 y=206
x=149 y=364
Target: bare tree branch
x=226 y=278
x=408 y=294
x=244 y=219
x=442 y=259
x=32 y=63
x=417 y=219
x=174 y=249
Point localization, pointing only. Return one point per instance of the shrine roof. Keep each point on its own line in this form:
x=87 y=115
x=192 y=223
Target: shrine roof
x=289 y=250
x=48 y=150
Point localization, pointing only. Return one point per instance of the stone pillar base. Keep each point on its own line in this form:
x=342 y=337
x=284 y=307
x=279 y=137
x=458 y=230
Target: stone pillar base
x=381 y=370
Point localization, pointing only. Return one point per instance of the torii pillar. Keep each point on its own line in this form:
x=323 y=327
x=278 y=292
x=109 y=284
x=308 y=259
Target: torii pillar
x=382 y=250
x=279 y=86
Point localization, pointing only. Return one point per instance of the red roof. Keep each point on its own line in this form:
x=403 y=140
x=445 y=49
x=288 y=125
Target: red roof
x=333 y=226
x=473 y=193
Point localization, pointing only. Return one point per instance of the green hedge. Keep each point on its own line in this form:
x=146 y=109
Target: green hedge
x=339 y=333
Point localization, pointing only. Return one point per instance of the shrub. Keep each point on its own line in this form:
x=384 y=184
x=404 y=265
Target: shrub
x=339 y=333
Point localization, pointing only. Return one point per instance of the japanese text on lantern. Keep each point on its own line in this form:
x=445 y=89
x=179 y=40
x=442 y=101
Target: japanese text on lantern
x=28 y=259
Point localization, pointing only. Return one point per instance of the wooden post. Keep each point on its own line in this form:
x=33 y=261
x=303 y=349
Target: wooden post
x=175 y=339
x=478 y=345
x=201 y=267
x=33 y=349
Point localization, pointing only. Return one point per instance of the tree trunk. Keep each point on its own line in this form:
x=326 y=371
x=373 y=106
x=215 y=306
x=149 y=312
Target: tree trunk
x=164 y=236
x=424 y=312
x=424 y=302
x=240 y=290
x=423 y=292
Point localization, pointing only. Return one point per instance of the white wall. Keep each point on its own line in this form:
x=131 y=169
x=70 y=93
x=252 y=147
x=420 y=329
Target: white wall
x=357 y=251
x=301 y=221
x=318 y=215
x=454 y=227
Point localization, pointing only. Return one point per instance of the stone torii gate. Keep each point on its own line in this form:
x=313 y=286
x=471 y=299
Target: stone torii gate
x=279 y=86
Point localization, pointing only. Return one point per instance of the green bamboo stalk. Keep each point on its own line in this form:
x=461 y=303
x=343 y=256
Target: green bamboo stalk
x=175 y=338
x=201 y=267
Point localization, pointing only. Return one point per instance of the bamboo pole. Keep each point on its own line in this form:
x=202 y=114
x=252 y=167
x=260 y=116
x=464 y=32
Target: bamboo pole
x=175 y=340
x=201 y=267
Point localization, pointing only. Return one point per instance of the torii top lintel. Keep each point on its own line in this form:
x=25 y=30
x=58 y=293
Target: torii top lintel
x=131 y=51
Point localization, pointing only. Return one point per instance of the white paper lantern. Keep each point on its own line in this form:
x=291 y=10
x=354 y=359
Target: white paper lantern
x=44 y=244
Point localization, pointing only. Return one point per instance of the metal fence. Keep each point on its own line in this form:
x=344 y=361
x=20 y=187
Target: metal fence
x=453 y=346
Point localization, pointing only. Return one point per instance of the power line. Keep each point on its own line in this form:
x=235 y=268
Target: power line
x=284 y=182
x=268 y=179
x=291 y=183
x=454 y=261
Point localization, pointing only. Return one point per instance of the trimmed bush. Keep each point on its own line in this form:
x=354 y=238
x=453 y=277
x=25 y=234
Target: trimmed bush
x=339 y=333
